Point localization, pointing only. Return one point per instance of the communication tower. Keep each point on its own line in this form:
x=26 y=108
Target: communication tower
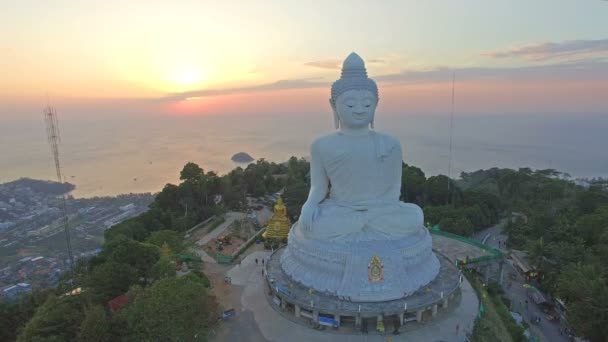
x=52 y=131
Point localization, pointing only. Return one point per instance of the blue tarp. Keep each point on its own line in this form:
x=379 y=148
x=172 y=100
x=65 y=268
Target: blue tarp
x=228 y=313
x=283 y=290
x=330 y=322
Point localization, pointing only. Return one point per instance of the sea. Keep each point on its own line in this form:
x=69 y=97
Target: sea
x=133 y=154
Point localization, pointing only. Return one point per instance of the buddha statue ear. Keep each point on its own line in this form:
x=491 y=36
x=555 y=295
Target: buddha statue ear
x=336 y=118
x=371 y=124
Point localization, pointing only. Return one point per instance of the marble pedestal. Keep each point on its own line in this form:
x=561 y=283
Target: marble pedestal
x=342 y=268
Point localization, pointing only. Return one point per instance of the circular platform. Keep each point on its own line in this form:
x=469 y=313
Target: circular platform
x=292 y=297
x=361 y=270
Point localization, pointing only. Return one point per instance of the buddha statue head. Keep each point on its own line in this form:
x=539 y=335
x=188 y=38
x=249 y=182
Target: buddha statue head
x=354 y=96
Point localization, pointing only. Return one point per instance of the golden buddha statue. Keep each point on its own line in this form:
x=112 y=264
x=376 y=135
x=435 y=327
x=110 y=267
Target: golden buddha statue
x=279 y=224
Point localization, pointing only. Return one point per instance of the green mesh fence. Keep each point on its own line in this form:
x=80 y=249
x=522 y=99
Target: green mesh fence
x=494 y=253
x=223 y=258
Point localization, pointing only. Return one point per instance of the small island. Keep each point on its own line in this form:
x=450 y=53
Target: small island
x=242 y=157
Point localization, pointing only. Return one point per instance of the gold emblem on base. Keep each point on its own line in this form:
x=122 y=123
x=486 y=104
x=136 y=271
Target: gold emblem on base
x=375 y=270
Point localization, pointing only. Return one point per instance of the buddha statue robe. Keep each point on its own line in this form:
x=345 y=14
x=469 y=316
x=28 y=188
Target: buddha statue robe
x=363 y=177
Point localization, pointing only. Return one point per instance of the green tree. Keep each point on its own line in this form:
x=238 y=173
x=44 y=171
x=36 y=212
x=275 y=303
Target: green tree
x=476 y=216
x=172 y=309
x=297 y=170
x=437 y=192
x=294 y=197
x=512 y=183
x=140 y=256
x=95 y=326
x=163 y=269
x=550 y=189
x=588 y=201
x=212 y=182
x=9 y=324
x=537 y=251
x=413 y=184
x=132 y=229
x=591 y=226
x=58 y=319
x=168 y=199
x=434 y=214
x=14 y=315
x=489 y=204
x=458 y=225
x=191 y=172
x=109 y=280
x=174 y=239
x=518 y=232
x=585 y=290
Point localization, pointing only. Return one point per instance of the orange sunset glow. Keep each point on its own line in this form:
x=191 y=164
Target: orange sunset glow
x=276 y=58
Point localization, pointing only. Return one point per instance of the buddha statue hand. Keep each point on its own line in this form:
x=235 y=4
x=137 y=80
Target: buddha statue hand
x=307 y=215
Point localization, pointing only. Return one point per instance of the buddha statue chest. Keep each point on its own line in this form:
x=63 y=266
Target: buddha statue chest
x=357 y=170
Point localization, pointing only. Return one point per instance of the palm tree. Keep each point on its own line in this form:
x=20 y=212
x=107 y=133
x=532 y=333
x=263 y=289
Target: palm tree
x=537 y=252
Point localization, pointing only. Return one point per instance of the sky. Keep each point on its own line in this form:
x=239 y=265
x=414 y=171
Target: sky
x=114 y=58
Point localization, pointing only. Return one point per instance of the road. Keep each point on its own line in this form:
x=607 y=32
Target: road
x=516 y=292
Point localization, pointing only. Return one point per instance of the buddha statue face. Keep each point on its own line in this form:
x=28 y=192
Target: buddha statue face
x=355 y=108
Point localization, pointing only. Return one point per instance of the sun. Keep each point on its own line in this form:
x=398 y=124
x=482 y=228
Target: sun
x=186 y=78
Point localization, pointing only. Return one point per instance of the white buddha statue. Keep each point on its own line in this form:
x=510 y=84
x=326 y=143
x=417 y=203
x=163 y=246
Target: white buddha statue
x=354 y=238
x=356 y=171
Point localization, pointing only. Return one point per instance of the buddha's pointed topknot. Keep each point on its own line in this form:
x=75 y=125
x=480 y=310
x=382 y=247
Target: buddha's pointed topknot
x=354 y=66
x=353 y=61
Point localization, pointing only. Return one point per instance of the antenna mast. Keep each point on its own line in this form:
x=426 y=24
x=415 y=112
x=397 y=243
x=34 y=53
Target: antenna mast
x=451 y=134
x=52 y=132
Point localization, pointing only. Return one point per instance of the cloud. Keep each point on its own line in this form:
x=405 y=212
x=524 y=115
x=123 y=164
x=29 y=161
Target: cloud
x=550 y=50
x=592 y=70
x=332 y=64
x=278 y=85
x=336 y=64
x=589 y=70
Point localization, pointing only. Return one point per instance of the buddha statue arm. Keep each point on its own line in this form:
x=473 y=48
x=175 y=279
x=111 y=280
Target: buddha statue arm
x=396 y=170
x=319 y=185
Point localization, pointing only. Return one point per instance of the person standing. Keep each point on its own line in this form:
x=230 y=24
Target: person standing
x=256 y=261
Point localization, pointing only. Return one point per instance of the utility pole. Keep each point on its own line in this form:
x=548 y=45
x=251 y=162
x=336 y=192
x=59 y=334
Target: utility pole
x=451 y=136
x=52 y=131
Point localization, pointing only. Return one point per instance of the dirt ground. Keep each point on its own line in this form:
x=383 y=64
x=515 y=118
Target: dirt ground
x=239 y=232
x=212 y=247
